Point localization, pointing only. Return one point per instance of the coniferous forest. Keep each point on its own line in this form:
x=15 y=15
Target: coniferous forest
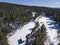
x=13 y=16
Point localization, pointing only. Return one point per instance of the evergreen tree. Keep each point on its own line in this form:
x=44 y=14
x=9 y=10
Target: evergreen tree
x=41 y=33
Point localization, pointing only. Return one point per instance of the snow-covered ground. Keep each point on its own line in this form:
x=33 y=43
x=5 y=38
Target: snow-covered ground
x=21 y=34
x=52 y=29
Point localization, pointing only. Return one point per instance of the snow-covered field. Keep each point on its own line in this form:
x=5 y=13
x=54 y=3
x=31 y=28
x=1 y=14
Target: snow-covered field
x=21 y=34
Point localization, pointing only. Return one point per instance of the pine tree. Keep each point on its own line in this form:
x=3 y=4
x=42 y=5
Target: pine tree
x=41 y=33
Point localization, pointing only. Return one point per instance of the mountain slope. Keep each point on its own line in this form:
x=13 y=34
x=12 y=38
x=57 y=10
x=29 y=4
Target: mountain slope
x=13 y=16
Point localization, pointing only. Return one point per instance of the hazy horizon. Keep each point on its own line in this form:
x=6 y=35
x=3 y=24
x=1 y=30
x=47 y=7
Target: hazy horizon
x=45 y=3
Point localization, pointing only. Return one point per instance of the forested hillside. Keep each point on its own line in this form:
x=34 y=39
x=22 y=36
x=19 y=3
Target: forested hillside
x=12 y=16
